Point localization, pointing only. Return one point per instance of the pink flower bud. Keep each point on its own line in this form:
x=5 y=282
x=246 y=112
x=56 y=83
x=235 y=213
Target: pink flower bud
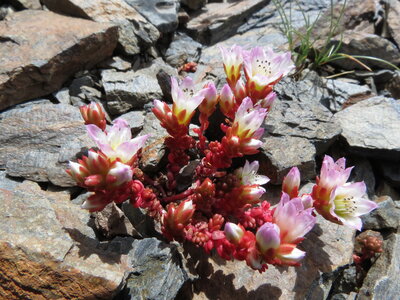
x=267 y=237
x=268 y=101
x=233 y=232
x=227 y=101
x=209 y=92
x=120 y=174
x=291 y=183
x=94 y=114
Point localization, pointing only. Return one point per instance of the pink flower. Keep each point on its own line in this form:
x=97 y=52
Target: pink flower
x=291 y=183
x=248 y=120
x=248 y=174
x=268 y=101
x=185 y=101
x=268 y=236
x=117 y=143
x=333 y=173
x=233 y=60
x=348 y=204
x=265 y=68
x=209 y=92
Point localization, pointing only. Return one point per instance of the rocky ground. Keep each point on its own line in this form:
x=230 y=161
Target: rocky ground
x=58 y=55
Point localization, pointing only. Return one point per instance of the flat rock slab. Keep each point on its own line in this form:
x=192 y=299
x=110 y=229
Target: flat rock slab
x=37 y=141
x=44 y=49
x=371 y=127
x=39 y=256
x=328 y=247
x=134 y=31
x=220 y=20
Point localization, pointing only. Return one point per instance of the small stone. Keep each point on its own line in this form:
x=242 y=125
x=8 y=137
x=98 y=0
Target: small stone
x=111 y=222
x=128 y=90
x=62 y=96
x=116 y=63
x=135 y=120
x=162 y=14
x=280 y=154
x=386 y=216
x=182 y=49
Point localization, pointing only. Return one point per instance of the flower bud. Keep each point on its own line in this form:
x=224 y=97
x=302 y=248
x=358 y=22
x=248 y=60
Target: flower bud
x=268 y=101
x=227 y=101
x=233 y=232
x=209 y=92
x=267 y=237
x=291 y=183
x=120 y=174
x=94 y=114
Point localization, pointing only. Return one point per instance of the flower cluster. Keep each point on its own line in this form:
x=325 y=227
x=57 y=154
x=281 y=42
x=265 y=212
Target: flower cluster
x=223 y=209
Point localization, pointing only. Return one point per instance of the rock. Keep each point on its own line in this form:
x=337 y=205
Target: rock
x=37 y=141
x=135 y=120
x=358 y=43
x=47 y=253
x=111 y=222
x=383 y=278
x=135 y=33
x=5 y=10
x=363 y=171
x=392 y=85
x=384 y=189
x=220 y=20
x=298 y=113
x=182 y=49
x=328 y=247
x=128 y=90
x=370 y=127
x=386 y=216
x=342 y=92
x=194 y=4
x=162 y=14
x=143 y=223
x=280 y=154
x=26 y=4
x=390 y=172
x=156 y=271
x=154 y=150
x=116 y=63
x=393 y=15
x=44 y=49
x=62 y=96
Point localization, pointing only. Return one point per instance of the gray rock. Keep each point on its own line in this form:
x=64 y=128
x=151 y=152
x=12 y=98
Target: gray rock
x=342 y=91
x=370 y=127
x=194 y=4
x=385 y=189
x=280 y=154
x=37 y=141
x=144 y=224
x=135 y=120
x=162 y=14
x=220 y=20
x=298 y=113
x=383 y=278
x=62 y=96
x=44 y=49
x=116 y=63
x=154 y=150
x=328 y=246
x=156 y=271
x=182 y=49
x=75 y=89
x=386 y=216
x=128 y=90
x=363 y=172
x=135 y=34
x=393 y=17
x=5 y=10
x=358 y=43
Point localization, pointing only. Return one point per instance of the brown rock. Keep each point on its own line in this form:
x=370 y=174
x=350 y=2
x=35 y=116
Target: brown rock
x=135 y=31
x=111 y=222
x=220 y=20
x=48 y=252
x=44 y=49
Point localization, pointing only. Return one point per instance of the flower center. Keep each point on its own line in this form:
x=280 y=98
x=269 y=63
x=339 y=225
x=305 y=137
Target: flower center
x=263 y=67
x=345 y=205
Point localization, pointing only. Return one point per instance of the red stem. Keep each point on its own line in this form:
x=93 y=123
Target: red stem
x=180 y=196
